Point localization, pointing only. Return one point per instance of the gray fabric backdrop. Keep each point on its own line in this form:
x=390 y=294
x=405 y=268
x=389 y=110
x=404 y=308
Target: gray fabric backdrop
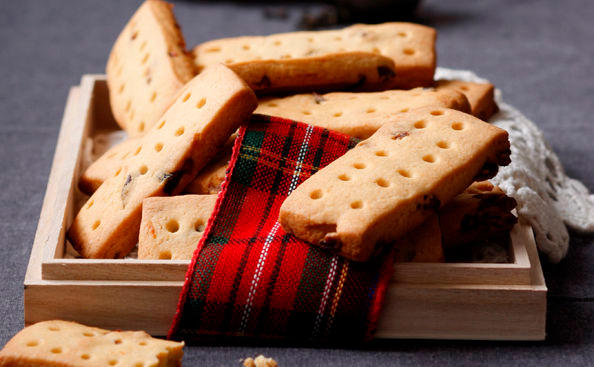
x=540 y=53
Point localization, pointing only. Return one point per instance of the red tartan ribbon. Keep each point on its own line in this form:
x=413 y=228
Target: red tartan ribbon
x=250 y=278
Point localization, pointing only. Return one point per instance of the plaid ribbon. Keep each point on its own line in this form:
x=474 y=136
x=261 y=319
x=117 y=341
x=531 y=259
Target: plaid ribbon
x=250 y=278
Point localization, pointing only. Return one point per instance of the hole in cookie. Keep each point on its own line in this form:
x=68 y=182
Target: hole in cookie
x=53 y=328
x=142 y=344
x=316 y=194
x=141 y=126
x=310 y=39
x=401 y=34
x=186 y=97
x=32 y=343
x=138 y=150
x=56 y=350
x=86 y=333
x=201 y=103
x=121 y=88
x=408 y=51
x=384 y=97
x=376 y=50
x=464 y=88
x=277 y=43
x=228 y=61
x=179 y=131
x=437 y=113
x=143 y=169
x=429 y=158
x=404 y=173
x=145 y=58
x=90 y=204
x=338 y=38
x=199 y=225
x=359 y=165
x=113 y=362
x=85 y=356
x=381 y=153
x=120 y=69
x=128 y=105
x=134 y=35
x=457 y=126
x=138 y=364
x=245 y=47
x=132 y=114
x=420 y=124
x=272 y=105
x=153 y=96
x=337 y=114
x=158 y=147
x=143 y=45
x=117 y=341
x=370 y=110
x=172 y=226
x=163 y=255
x=286 y=56
x=118 y=171
x=382 y=182
x=213 y=49
x=357 y=204
x=443 y=144
x=306 y=113
x=161 y=124
x=344 y=177
x=94 y=226
x=404 y=110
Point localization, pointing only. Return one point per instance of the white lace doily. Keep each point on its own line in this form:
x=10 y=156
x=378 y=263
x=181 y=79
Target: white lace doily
x=547 y=198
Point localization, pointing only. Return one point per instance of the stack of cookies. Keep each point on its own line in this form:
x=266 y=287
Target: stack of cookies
x=412 y=181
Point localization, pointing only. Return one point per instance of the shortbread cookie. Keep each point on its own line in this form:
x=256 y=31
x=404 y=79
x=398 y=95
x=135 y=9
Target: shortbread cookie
x=480 y=95
x=358 y=114
x=172 y=226
x=481 y=212
x=422 y=244
x=107 y=165
x=147 y=67
x=370 y=57
x=68 y=344
x=209 y=180
x=210 y=108
x=391 y=182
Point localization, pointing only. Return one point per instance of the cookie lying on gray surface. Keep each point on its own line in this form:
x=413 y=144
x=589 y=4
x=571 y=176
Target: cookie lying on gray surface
x=393 y=181
x=371 y=57
x=59 y=343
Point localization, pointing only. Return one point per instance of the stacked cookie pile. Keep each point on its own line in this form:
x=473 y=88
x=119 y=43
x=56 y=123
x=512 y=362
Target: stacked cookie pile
x=411 y=182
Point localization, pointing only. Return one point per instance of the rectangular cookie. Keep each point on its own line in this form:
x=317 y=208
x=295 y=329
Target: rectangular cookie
x=59 y=343
x=210 y=108
x=422 y=244
x=210 y=179
x=147 y=67
x=107 y=165
x=368 y=57
x=480 y=95
x=391 y=182
x=358 y=114
x=481 y=212
x=172 y=226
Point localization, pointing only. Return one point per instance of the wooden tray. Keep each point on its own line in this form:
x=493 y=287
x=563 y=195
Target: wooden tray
x=443 y=301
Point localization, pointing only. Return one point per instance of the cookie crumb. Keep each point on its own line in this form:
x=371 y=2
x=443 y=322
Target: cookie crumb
x=259 y=361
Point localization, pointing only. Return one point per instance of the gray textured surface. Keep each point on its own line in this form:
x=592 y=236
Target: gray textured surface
x=540 y=53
